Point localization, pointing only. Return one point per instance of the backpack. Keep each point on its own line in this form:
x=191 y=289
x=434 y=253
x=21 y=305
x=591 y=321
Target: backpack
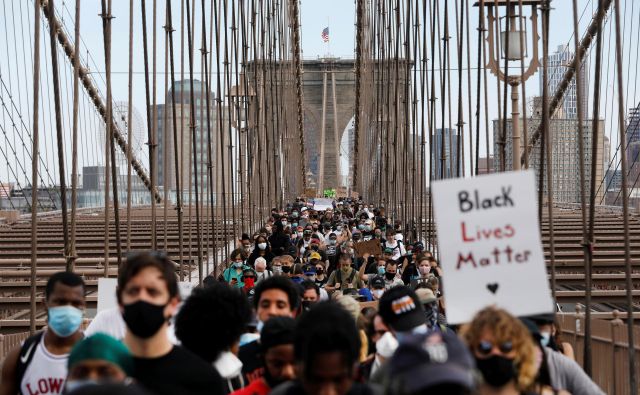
x=27 y=351
x=349 y=280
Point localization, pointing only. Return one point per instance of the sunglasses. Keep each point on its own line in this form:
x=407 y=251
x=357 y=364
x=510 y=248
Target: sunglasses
x=485 y=347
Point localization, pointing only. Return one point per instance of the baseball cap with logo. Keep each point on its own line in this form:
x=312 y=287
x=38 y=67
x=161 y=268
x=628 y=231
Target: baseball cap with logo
x=377 y=282
x=401 y=309
x=425 y=361
x=314 y=255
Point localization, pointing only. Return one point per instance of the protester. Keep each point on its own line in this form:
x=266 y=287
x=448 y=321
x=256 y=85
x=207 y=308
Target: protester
x=391 y=275
x=261 y=249
x=277 y=354
x=274 y=297
x=279 y=241
x=430 y=304
x=233 y=275
x=503 y=350
x=97 y=360
x=435 y=364
x=39 y=365
x=327 y=347
x=402 y=312
x=261 y=269
x=148 y=296
x=199 y=328
x=345 y=278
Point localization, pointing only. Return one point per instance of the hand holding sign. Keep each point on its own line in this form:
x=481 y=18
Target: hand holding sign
x=489 y=242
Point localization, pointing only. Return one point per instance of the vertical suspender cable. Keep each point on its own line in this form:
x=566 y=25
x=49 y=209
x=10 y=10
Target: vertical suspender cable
x=35 y=154
x=106 y=24
x=194 y=142
x=176 y=149
x=74 y=143
x=625 y=206
x=549 y=141
x=587 y=364
x=59 y=136
x=129 y=125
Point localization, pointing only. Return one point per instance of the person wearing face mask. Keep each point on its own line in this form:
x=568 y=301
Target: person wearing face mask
x=41 y=361
x=148 y=297
x=391 y=277
x=246 y=246
x=311 y=294
x=504 y=352
x=418 y=274
x=321 y=275
x=344 y=278
x=198 y=328
x=98 y=360
x=234 y=273
x=430 y=304
x=557 y=371
x=396 y=246
x=279 y=241
x=261 y=249
x=261 y=270
x=377 y=287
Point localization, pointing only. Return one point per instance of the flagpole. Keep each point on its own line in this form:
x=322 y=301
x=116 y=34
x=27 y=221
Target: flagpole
x=329 y=39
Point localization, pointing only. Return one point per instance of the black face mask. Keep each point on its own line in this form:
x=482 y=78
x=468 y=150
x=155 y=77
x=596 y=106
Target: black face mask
x=390 y=276
x=286 y=269
x=496 y=370
x=306 y=305
x=319 y=272
x=144 y=319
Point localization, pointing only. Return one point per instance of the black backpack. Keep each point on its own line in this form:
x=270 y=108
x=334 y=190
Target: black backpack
x=27 y=352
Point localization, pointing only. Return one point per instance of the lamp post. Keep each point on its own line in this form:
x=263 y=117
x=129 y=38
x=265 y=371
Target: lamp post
x=512 y=43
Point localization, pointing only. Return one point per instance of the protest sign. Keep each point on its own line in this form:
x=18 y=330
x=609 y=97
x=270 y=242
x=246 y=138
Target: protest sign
x=322 y=204
x=489 y=243
x=371 y=247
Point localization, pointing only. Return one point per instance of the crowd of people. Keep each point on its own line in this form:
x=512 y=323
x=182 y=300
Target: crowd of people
x=300 y=307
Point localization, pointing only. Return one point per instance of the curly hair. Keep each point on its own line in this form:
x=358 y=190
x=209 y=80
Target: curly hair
x=505 y=327
x=198 y=322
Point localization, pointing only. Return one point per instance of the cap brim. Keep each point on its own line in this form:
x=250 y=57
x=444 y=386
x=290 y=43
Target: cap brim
x=410 y=321
x=423 y=377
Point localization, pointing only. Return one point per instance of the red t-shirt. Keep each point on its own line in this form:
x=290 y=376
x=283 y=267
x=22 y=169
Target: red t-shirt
x=257 y=387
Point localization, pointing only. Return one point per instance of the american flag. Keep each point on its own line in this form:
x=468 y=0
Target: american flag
x=325 y=34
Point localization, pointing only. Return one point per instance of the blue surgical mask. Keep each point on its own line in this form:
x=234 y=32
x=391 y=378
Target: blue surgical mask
x=64 y=321
x=381 y=270
x=546 y=337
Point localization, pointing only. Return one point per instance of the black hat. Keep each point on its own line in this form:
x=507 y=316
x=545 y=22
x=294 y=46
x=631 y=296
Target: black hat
x=401 y=309
x=425 y=361
x=277 y=331
x=543 y=319
x=377 y=282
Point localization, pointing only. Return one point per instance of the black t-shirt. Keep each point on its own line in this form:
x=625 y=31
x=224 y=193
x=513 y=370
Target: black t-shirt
x=178 y=372
x=252 y=366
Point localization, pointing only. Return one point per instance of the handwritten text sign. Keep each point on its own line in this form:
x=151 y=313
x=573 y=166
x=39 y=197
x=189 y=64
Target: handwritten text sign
x=489 y=243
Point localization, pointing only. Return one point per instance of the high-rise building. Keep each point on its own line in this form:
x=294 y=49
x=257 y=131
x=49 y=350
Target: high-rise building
x=186 y=156
x=559 y=62
x=565 y=155
x=633 y=136
x=449 y=160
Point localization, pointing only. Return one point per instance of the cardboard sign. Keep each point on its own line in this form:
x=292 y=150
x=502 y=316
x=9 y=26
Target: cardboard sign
x=489 y=243
x=371 y=247
x=322 y=204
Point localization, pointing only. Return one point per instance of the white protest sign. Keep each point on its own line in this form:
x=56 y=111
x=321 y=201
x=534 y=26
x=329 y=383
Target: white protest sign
x=322 y=204
x=107 y=292
x=489 y=243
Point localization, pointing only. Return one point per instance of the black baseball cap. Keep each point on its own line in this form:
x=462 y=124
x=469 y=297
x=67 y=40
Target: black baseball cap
x=377 y=282
x=401 y=309
x=424 y=361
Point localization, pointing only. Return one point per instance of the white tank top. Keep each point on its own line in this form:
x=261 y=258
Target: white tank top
x=46 y=372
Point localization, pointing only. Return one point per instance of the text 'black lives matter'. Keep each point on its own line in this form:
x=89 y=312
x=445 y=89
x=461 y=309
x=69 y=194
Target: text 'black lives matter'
x=468 y=203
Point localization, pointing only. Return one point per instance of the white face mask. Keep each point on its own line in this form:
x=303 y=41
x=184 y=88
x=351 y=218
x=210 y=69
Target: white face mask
x=277 y=270
x=386 y=345
x=377 y=293
x=262 y=246
x=398 y=236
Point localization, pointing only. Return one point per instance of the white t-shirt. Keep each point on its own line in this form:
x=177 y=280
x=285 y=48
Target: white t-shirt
x=46 y=373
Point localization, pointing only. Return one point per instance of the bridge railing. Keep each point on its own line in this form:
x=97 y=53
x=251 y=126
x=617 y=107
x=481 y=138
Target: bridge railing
x=9 y=342
x=610 y=346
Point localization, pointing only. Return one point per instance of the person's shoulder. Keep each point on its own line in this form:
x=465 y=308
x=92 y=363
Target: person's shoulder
x=249 y=348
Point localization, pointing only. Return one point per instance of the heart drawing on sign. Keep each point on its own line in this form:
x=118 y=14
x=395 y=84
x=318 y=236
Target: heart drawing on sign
x=492 y=287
